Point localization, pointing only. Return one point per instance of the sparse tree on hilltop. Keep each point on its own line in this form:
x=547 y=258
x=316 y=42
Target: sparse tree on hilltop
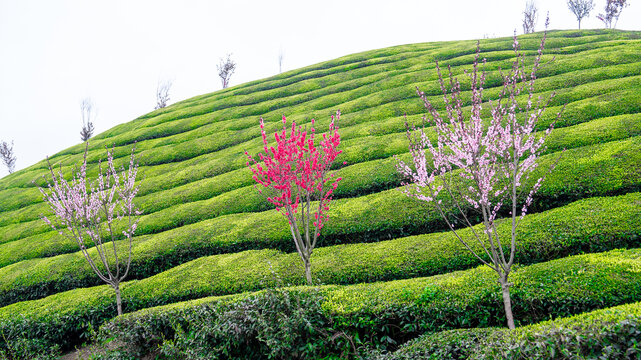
x=7 y=155
x=580 y=8
x=86 y=109
x=477 y=165
x=529 y=17
x=613 y=9
x=296 y=173
x=280 y=61
x=226 y=69
x=162 y=94
x=85 y=213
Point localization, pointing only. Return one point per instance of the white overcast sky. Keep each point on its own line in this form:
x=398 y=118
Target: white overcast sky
x=53 y=53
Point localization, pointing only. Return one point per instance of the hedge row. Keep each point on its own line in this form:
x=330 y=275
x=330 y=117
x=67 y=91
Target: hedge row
x=605 y=223
x=600 y=170
x=13 y=235
x=388 y=126
x=557 y=41
x=403 y=85
x=230 y=159
x=293 y=82
x=356 y=150
x=611 y=333
x=587 y=43
x=401 y=88
x=377 y=313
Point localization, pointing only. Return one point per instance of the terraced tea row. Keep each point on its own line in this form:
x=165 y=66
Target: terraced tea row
x=552 y=234
x=207 y=232
x=460 y=299
x=356 y=151
x=575 y=113
x=404 y=85
x=597 y=170
x=610 y=333
x=403 y=61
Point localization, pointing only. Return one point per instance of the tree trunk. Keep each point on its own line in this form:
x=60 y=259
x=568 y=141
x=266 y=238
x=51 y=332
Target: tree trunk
x=118 y=300
x=507 y=302
x=579 y=24
x=308 y=271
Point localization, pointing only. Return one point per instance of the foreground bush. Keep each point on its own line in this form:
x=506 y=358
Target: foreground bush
x=384 y=314
x=275 y=324
x=612 y=333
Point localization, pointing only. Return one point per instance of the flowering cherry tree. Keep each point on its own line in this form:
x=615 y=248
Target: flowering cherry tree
x=86 y=212
x=299 y=184
x=482 y=165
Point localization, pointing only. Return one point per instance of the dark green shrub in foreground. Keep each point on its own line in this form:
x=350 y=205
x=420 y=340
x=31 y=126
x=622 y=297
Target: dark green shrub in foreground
x=275 y=324
x=30 y=349
x=387 y=314
x=613 y=333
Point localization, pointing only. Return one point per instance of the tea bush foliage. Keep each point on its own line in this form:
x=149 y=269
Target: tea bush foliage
x=221 y=264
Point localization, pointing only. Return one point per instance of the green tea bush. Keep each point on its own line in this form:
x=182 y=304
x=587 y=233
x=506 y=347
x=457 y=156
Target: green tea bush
x=275 y=324
x=627 y=54
x=384 y=314
x=611 y=333
x=603 y=161
x=597 y=170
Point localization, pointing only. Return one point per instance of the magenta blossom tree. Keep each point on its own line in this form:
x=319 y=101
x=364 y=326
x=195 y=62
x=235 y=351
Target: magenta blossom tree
x=299 y=184
x=85 y=212
x=482 y=165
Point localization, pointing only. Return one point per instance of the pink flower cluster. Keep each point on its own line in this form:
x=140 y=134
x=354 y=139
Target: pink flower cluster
x=87 y=211
x=493 y=156
x=298 y=170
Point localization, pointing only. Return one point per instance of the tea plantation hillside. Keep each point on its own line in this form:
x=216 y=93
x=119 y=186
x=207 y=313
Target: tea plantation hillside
x=213 y=261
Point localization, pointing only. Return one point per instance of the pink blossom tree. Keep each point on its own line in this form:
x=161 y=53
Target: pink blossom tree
x=296 y=174
x=86 y=213
x=479 y=165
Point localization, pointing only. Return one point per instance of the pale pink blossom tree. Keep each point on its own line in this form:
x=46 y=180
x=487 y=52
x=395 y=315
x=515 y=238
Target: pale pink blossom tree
x=478 y=165
x=85 y=213
x=296 y=173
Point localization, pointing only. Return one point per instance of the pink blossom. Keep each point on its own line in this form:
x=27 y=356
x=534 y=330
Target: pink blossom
x=85 y=211
x=482 y=164
x=297 y=171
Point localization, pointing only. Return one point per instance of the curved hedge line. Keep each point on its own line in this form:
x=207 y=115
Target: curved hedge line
x=363 y=178
x=27 y=229
x=387 y=127
x=373 y=313
x=414 y=56
x=404 y=82
x=374 y=92
x=600 y=170
x=611 y=333
x=544 y=236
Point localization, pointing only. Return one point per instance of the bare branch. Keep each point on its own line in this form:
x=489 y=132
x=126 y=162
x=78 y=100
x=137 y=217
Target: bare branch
x=162 y=93
x=529 y=17
x=613 y=9
x=226 y=69
x=86 y=109
x=7 y=155
x=580 y=8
